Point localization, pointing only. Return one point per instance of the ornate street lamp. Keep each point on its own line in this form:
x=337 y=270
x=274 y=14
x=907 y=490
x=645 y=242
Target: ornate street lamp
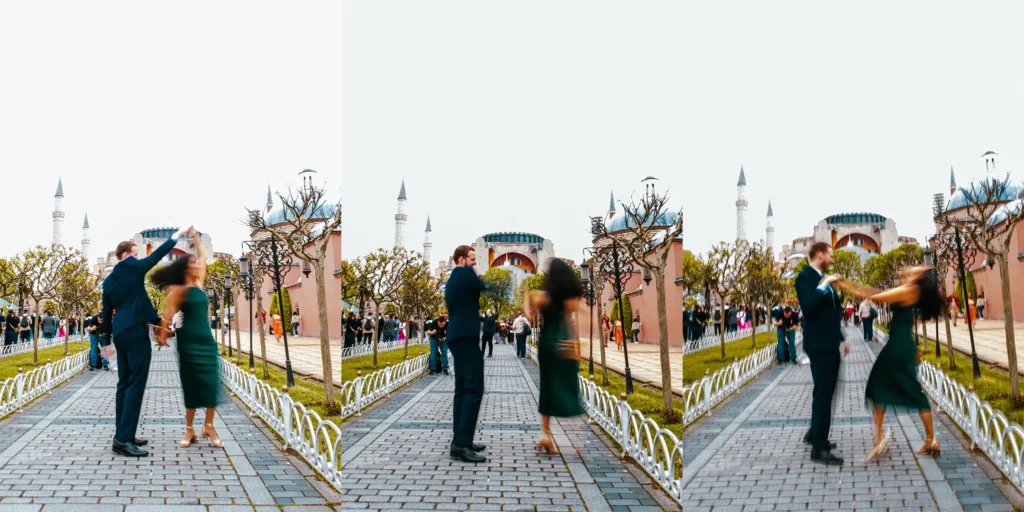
x=616 y=269
x=647 y=276
x=278 y=264
x=928 y=262
x=227 y=307
x=305 y=268
x=245 y=273
x=951 y=250
x=587 y=274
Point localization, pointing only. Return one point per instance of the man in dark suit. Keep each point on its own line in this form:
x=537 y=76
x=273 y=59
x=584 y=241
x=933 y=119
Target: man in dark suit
x=462 y=296
x=124 y=290
x=823 y=340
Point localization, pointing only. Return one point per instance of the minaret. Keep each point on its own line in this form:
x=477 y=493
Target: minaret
x=270 y=199
x=58 y=212
x=990 y=161
x=611 y=205
x=952 y=181
x=400 y=218
x=85 y=238
x=769 y=235
x=428 y=245
x=741 y=206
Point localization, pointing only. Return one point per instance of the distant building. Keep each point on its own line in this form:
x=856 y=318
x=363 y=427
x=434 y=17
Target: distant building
x=866 y=234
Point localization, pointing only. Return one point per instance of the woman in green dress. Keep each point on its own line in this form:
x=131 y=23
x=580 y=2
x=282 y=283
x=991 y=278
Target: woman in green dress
x=557 y=354
x=198 y=357
x=893 y=379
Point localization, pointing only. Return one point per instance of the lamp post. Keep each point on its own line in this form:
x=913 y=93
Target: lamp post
x=976 y=369
x=951 y=251
x=227 y=308
x=615 y=269
x=245 y=273
x=278 y=263
x=928 y=262
x=587 y=273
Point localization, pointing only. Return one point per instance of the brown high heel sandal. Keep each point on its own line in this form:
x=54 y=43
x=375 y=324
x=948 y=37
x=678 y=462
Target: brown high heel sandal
x=186 y=443
x=547 y=444
x=881 y=448
x=930 y=448
x=214 y=441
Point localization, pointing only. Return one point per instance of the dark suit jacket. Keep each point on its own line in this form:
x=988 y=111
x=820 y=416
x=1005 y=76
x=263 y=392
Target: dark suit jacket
x=822 y=314
x=488 y=323
x=124 y=290
x=462 y=296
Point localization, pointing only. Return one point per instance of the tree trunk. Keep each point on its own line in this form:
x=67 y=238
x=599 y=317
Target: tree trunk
x=35 y=338
x=373 y=333
x=666 y=362
x=238 y=335
x=753 y=332
x=600 y=341
x=721 y=330
x=325 y=340
x=1011 y=345
x=263 y=334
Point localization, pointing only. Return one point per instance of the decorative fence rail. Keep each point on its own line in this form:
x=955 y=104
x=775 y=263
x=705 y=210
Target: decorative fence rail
x=703 y=395
x=656 y=449
x=363 y=349
x=26 y=346
x=1001 y=440
x=21 y=389
x=714 y=340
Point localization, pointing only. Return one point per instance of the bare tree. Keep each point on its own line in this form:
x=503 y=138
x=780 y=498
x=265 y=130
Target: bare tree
x=44 y=271
x=309 y=224
x=420 y=295
x=10 y=275
x=763 y=282
x=993 y=209
x=77 y=291
x=729 y=267
x=651 y=232
x=382 y=274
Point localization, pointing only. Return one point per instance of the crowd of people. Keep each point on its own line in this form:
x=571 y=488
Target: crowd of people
x=15 y=327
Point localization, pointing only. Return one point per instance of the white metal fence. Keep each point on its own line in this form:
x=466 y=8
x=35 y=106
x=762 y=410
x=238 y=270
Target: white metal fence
x=1001 y=440
x=714 y=340
x=365 y=349
x=26 y=346
x=21 y=389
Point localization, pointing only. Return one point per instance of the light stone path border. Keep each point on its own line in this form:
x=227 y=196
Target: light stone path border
x=396 y=454
x=748 y=455
x=56 y=456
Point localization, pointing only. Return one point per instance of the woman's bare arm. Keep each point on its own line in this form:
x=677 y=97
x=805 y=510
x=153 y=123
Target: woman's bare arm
x=175 y=295
x=902 y=295
x=200 y=256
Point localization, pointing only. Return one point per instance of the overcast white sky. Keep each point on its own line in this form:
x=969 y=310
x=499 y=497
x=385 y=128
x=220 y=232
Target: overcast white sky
x=522 y=116
x=157 y=114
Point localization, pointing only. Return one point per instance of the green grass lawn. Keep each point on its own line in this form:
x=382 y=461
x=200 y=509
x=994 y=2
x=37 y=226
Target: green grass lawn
x=307 y=392
x=9 y=365
x=350 y=368
x=710 y=360
x=993 y=386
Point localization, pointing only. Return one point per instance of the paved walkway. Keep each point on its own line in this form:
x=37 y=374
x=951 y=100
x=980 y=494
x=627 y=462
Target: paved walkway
x=749 y=454
x=304 y=353
x=396 y=454
x=989 y=340
x=644 y=362
x=56 y=456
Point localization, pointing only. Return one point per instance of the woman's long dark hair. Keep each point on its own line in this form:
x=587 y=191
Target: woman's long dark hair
x=171 y=274
x=930 y=302
x=561 y=282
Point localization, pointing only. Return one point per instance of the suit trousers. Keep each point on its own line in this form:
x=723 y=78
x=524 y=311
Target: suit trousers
x=487 y=341
x=825 y=374
x=869 y=329
x=469 y=389
x=134 y=352
x=520 y=345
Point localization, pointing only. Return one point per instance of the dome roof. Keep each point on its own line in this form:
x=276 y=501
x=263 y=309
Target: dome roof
x=279 y=215
x=623 y=222
x=513 y=238
x=959 y=199
x=1006 y=210
x=855 y=218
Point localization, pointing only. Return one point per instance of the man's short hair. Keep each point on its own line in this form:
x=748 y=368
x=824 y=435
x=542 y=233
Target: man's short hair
x=787 y=309
x=461 y=251
x=816 y=248
x=123 y=248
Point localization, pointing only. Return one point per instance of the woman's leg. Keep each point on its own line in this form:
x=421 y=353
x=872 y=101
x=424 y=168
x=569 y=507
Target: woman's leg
x=879 y=418
x=208 y=429
x=929 y=427
x=190 y=415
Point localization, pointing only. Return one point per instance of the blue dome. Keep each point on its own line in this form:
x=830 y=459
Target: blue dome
x=959 y=199
x=279 y=215
x=622 y=222
x=1004 y=211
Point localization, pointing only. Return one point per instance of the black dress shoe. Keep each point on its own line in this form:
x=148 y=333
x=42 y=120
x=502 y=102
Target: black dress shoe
x=129 y=450
x=477 y=447
x=140 y=442
x=827 y=457
x=466 y=455
x=808 y=441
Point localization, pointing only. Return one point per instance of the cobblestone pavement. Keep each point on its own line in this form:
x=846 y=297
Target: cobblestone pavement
x=749 y=455
x=396 y=454
x=56 y=456
x=644 y=362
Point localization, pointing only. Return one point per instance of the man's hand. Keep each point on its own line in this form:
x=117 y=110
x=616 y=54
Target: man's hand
x=828 y=280
x=845 y=348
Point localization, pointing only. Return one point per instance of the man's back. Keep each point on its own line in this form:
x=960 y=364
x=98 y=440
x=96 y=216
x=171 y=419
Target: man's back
x=821 y=313
x=124 y=290
x=49 y=324
x=462 y=297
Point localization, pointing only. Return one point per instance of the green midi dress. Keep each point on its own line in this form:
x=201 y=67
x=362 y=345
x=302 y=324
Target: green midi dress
x=559 y=377
x=893 y=378
x=198 y=355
